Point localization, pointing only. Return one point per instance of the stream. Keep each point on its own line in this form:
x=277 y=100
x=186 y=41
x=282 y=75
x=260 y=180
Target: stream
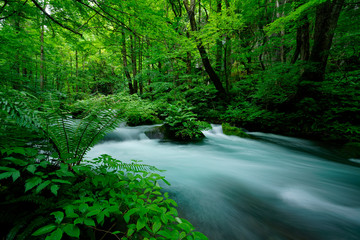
x=269 y=188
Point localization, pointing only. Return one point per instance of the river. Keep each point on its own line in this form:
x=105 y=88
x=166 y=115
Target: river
x=269 y=188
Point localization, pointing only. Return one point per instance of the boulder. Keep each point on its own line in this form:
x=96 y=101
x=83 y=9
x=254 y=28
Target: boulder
x=164 y=132
x=230 y=130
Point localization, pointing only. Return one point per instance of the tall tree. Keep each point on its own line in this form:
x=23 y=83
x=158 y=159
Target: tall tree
x=214 y=78
x=125 y=65
x=327 y=15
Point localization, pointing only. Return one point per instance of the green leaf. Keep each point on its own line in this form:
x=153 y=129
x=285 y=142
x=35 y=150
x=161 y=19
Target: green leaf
x=15 y=175
x=43 y=230
x=165 y=181
x=130 y=232
x=31 y=168
x=54 y=189
x=83 y=207
x=129 y=213
x=60 y=181
x=72 y=230
x=93 y=213
x=100 y=217
x=140 y=224
x=5 y=175
x=16 y=161
x=42 y=186
x=79 y=221
x=59 y=216
x=156 y=226
x=32 y=182
x=199 y=236
x=164 y=218
x=89 y=222
x=166 y=234
x=182 y=235
x=55 y=235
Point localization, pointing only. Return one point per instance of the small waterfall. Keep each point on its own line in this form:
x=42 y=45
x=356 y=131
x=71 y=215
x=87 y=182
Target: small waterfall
x=124 y=133
x=216 y=130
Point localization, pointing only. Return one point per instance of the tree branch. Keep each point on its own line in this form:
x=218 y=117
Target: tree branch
x=113 y=20
x=54 y=20
x=86 y=22
x=2 y=8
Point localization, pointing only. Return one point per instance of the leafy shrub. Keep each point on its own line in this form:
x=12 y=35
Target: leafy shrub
x=101 y=197
x=83 y=200
x=276 y=85
x=202 y=98
x=181 y=124
x=135 y=110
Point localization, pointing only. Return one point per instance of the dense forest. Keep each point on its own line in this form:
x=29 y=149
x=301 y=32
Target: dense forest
x=71 y=71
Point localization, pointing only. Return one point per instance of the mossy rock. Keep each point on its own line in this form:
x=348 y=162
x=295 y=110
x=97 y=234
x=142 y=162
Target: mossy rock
x=230 y=130
x=157 y=132
x=185 y=135
x=351 y=150
x=165 y=132
x=138 y=119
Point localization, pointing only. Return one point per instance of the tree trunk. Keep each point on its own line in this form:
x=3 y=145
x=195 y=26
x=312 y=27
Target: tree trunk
x=127 y=74
x=327 y=15
x=140 y=66
x=227 y=56
x=133 y=61
x=204 y=57
x=42 y=58
x=76 y=70
x=302 y=41
x=218 y=43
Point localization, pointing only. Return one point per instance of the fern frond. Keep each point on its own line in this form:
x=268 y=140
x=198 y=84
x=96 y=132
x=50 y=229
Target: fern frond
x=14 y=103
x=106 y=121
x=31 y=225
x=111 y=163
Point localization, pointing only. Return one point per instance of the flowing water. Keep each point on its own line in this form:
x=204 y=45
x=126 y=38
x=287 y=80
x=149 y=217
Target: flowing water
x=271 y=187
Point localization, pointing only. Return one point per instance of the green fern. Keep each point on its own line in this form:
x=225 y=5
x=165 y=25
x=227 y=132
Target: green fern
x=17 y=104
x=72 y=138
x=31 y=225
x=111 y=163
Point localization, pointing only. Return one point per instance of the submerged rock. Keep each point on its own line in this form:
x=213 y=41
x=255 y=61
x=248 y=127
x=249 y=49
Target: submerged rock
x=157 y=132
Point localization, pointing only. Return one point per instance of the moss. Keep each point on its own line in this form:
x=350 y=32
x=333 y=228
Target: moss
x=182 y=135
x=230 y=130
x=351 y=150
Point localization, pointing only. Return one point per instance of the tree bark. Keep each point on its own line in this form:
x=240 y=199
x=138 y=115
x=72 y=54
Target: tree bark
x=327 y=15
x=140 y=65
x=302 y=41
x=218 y=43
x=42 y=58
x=124 y=56
x=76 y=70
x=227 y=56
x=133 y=62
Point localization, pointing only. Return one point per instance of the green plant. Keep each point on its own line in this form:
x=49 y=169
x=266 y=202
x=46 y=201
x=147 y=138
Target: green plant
x=72 y=138
x=48 y=197
x=230 y=130
x=101 y=197
x=181 y=124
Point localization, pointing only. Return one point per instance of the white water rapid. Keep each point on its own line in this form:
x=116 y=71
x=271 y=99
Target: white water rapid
x=271 y=187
